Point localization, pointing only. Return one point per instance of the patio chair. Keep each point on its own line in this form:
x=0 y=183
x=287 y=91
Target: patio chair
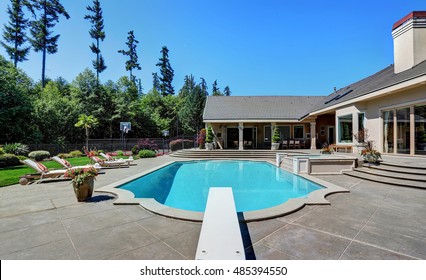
x=285 y=144
x=291 y=144
x=66 y=164
x=297 y=144
x=42 y=173
x=109 y=163
x=110 y=158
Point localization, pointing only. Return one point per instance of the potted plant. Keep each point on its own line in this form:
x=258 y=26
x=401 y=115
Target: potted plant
x=361 y=138
x=209 y=138
x=83 y=181
x=370 y=154
x=276 y=139
x=326 y=149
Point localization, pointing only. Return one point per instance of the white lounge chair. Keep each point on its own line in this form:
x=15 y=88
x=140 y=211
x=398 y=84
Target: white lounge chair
x=42 y=173
x=109 y=163
x=110 y=158
x=67 y=165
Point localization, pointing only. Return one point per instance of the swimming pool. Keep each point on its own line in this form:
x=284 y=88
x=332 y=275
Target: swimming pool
x=185 y=185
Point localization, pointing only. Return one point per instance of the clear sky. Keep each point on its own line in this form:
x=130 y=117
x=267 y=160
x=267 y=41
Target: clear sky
x=268 y=47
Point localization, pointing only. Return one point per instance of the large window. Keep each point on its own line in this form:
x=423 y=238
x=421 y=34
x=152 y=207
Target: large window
x=388 y=125
x=298 y=132
x=420 y=129
x=345 y=129
x=284 y=132
x=403 y=130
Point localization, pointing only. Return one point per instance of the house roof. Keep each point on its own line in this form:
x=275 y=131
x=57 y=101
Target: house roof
x=380 y=80
x=258 y=107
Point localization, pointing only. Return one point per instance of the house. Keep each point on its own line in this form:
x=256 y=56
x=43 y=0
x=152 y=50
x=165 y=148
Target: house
x=390 y=104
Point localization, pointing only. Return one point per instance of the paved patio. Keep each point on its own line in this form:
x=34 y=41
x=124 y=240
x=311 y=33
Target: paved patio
x=373 y=221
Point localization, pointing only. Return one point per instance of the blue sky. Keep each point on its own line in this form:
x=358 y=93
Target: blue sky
x=269 y=47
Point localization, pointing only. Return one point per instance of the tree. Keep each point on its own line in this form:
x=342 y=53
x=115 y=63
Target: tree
x=155 y=81
x=87 y=122
x=97 y=33
x=191 y=112
x=216 y=90
x=227 y=91
x=41 y=30
x=14 y=33
x=204 y=87
x=132 y=63
x=166 y=72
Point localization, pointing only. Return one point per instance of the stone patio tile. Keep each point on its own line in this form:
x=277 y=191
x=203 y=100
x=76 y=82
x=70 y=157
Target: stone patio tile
x=57 y=250
x=84 y=208
x=343 y=222
x=259 y=230
x=155 y=251
x=29 y=237
x=307 y=244
x=28 y=220
x=397 y=230
x=263 y=252
x=135 y=212
x=407 y=197
x=95 y=221
x=9 y=207
x=185 y=243
x=166 y=227
x=360 y=251
x=110 y=242
x=340 y=180
x=296 y=215
x=371 y=191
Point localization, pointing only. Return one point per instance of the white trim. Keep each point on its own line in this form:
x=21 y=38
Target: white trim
x=255 y=121
x=338 y=129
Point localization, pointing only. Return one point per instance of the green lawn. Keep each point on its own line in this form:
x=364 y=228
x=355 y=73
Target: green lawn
x=10 y=175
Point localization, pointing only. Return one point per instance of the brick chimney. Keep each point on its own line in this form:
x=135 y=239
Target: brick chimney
x=409 y=41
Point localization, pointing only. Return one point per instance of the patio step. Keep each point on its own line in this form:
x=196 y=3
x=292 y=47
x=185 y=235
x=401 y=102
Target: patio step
x=406 y=166
x=265 y=154
x=383 y=177
x=394 y=168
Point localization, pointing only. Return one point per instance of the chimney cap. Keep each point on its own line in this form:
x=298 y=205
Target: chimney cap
x=414 y=14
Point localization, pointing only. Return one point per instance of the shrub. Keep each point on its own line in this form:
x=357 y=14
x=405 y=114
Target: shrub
x=146 y=144
x=39 y=155
x=119 y=153
x=76 y=153
x=64 y=155
x=21 y=157
x=1 y=151
x=276 y=137
x=209 y=136
x=9 y=160
x=135 y=150
x=181 y=144
x=16 y=149
x=201 y=140
x=146 y=154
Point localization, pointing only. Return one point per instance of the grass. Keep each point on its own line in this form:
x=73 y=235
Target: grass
x=10 y=175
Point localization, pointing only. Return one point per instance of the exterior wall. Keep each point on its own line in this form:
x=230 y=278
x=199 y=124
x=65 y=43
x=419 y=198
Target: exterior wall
x=323 y=122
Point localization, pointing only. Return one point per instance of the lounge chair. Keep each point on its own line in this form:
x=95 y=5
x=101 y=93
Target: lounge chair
x=42 y=173
x=110 y=158
x=66 y=164
x=110 y=163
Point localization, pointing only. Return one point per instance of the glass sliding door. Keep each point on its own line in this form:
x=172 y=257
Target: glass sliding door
x=420 y=129
x=388 y=125
x=403 y=131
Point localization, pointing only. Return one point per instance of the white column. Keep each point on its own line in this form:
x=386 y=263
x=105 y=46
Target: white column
x=240 y=136
x=313 y=136
x=412 y=131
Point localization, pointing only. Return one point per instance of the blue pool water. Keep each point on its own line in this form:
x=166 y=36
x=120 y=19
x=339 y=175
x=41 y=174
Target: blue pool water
x=185 y=185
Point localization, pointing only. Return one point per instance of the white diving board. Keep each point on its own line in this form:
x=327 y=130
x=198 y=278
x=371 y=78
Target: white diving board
x=220 y=237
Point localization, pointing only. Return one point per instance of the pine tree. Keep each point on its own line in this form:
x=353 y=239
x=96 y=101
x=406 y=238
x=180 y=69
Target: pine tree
x=155 y=82
x=97 y=33
x=216 y=90
x=132 y=63
x=204 y=87
x=14 y=33
x=227 y=91
x=41 y=30
x=166 y=72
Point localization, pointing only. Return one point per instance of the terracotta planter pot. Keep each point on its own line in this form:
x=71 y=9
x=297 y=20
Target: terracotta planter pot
x=85 y=190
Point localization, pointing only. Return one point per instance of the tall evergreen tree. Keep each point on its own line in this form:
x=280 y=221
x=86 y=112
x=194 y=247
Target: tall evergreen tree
x=132 y=63
x=227 y=91
x=155 y=82
x=41 y=30
x=166 y=72
x=14 y=32
x=97 y=33
x=204 y=87
x=215 y=89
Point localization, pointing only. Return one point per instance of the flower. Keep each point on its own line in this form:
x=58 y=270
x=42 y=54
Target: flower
x=370 y=152
x=326 y=149
x=79 y=174
x=362 y=136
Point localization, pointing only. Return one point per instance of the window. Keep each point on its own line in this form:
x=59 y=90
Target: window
x=298 y=131
x=420 y=129
x=403 y=130
x=345 y=129
x=268 y=133
x=388 y=131
x=284 y=132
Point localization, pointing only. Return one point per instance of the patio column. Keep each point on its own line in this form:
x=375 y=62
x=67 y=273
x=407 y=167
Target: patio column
x=313 y=136
x=240 y=136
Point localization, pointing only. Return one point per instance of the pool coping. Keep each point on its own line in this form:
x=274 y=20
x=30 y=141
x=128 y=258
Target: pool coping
x=125 y=197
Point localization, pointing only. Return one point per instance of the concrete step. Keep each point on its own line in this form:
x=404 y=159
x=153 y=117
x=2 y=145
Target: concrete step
x=194 y=153
x=385 y=180
x=401 y=165
x=396 y=169
x=390 y=174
